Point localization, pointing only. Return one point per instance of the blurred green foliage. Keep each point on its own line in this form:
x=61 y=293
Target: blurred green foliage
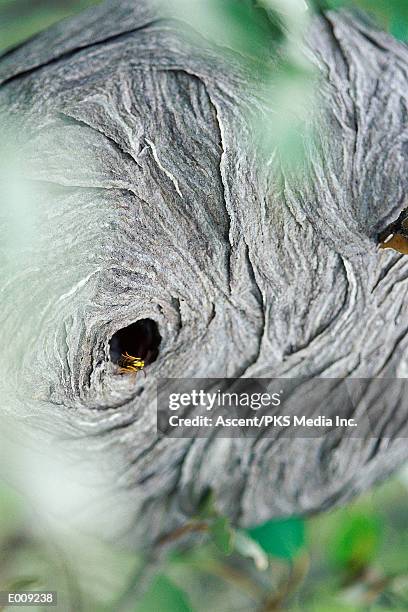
x=163 y=594
x=265 y=36
x=249 y=29
x=21 y=19
x=392 y=15
x=222 y=535
x=350 y=559
x=284 y=538
x=356 y=541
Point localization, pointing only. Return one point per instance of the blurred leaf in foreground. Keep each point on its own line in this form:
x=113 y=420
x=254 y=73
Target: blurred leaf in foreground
x=392 y=15
x=244 y=27
x=267 y=36
x=280 y=538
x=356 y=542
x=223 y=535
x=20 y=19
x=11 y=511
x=164 y=596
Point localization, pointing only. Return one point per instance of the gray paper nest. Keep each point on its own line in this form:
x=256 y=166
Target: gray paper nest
x=149 y=203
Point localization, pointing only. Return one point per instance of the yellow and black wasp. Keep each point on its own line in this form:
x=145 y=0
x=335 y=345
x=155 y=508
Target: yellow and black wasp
x=130 y=365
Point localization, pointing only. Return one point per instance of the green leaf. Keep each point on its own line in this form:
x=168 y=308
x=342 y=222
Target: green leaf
x=222 y=535
x=392 y=15
x=164 y=596
x=280 y=538
x=357 y=541
x=20 y=20
x=246 y=27
x=399 y=27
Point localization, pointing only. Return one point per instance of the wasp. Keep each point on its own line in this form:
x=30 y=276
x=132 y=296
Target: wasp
x=395 y=236
x=130 y=365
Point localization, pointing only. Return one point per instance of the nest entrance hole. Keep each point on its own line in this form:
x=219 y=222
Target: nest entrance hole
x=140 y=339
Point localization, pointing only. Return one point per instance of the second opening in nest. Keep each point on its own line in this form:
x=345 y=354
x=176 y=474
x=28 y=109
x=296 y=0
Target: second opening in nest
x=395 y=235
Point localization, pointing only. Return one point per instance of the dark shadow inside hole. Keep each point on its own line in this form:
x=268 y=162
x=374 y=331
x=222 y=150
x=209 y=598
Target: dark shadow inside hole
x=140 y=339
